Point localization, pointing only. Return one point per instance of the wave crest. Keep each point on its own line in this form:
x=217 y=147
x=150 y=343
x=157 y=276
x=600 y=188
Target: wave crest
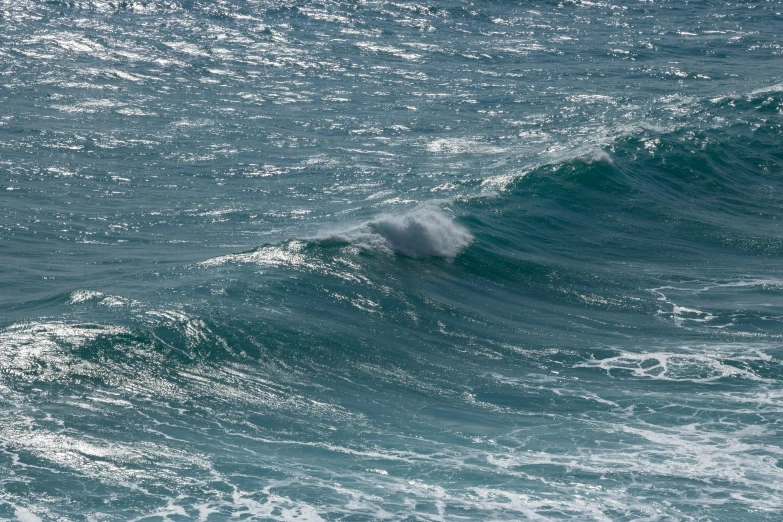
x=422 y=232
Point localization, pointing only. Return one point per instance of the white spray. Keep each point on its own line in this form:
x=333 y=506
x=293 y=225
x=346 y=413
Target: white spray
x=425 y=231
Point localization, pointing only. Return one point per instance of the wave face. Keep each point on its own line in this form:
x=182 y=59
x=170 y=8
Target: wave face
x=383 y=261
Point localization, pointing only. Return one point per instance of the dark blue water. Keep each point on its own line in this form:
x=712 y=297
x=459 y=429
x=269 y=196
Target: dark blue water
x=382 y=260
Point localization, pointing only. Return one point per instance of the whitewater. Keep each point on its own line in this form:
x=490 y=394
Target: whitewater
x=434 y=261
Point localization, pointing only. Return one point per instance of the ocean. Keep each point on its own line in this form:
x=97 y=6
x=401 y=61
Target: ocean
x=382 y=260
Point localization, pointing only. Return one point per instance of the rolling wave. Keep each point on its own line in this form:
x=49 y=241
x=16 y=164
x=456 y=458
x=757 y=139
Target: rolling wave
x=425 y=231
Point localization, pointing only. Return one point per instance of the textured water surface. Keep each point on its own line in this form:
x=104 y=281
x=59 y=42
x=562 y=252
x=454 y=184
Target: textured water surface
x=448 y=260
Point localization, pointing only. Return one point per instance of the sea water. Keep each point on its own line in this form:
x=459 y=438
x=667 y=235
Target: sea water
x=385 y=260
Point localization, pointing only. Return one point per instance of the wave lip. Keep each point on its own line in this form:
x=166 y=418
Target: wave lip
x=425 y=231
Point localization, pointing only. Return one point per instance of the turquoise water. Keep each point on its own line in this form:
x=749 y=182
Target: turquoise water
x=391 y=261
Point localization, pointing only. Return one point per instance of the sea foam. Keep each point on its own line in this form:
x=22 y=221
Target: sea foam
x=425 y=231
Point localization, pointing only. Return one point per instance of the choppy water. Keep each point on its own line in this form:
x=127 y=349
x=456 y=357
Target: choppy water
x=374 y=260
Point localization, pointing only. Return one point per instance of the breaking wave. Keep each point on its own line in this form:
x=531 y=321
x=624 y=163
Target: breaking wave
x=425 y=231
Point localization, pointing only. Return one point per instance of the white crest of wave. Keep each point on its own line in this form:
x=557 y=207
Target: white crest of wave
x=425 y=231
x=597 y=156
